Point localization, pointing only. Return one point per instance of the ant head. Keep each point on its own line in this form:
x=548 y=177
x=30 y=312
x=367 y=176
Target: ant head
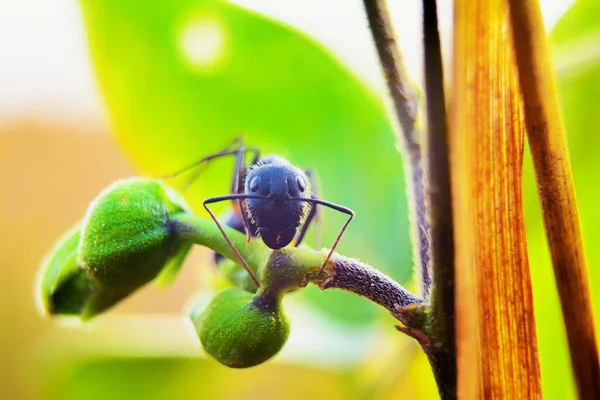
x=277 y=218
x=274 y=177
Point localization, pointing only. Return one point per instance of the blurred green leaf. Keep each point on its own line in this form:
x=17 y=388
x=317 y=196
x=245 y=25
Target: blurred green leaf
x=105 y=377
x=182 y=78
x=576 y=56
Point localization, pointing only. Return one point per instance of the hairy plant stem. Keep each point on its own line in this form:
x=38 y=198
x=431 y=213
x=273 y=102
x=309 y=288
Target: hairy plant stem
x=404 y=96
x=433 y=203
x=291 y=268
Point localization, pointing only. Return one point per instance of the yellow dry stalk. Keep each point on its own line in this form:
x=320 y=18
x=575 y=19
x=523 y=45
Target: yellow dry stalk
x=556 y=191
x=496 y=337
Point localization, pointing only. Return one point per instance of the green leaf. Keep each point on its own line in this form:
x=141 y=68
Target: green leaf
x=182 y=78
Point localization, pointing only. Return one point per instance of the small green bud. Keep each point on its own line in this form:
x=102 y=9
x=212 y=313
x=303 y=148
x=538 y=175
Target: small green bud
x=64 y=286
x=126 y=237
x=240 y=329
x=125 y=241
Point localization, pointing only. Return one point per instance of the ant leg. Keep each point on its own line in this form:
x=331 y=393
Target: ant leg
x=318 y=216
x=247 y=224
x=231 y=150
x=250 y=228
x=240 y=158
x=314 y=213
x=238 y=187
x=336 y=207
x=255 y=159
x=311 y=216
x=235 y=251
x=240 y=152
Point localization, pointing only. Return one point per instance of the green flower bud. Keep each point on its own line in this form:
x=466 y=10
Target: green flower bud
x=64 y=286
x=125 y=241
x=240 y=329
x=126 y=237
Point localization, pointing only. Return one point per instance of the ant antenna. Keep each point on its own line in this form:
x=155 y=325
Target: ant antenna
x=235 y=251
x=336 y=207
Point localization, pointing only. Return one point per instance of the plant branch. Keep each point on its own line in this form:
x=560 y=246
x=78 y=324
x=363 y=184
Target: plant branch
x=359 y=278
x=556 y=191
x=290 y=268
x=399 y=83
x=204 y=232
x=405 y=99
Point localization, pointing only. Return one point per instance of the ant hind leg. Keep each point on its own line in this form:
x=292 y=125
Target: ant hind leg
x=233 y=149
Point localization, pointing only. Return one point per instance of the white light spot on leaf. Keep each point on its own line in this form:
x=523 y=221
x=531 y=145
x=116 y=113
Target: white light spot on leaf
x=203 y=43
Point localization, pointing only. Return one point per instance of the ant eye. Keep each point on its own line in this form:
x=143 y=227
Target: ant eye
x=254 y=184
x=301 y=184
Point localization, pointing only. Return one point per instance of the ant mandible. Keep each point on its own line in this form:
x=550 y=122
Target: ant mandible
x=274 y=199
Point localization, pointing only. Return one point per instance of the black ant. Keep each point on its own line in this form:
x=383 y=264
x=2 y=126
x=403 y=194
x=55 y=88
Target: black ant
x=235 y=219
x=274 y=199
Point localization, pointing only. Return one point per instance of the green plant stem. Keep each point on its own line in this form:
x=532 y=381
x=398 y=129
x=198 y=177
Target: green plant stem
x=204 y=232
x=290 y=268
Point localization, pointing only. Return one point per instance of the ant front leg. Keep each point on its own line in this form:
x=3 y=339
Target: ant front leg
x=216 y=221
x=314 y=214
x=336 y=207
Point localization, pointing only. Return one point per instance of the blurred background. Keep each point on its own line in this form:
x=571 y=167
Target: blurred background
x=91 y=92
